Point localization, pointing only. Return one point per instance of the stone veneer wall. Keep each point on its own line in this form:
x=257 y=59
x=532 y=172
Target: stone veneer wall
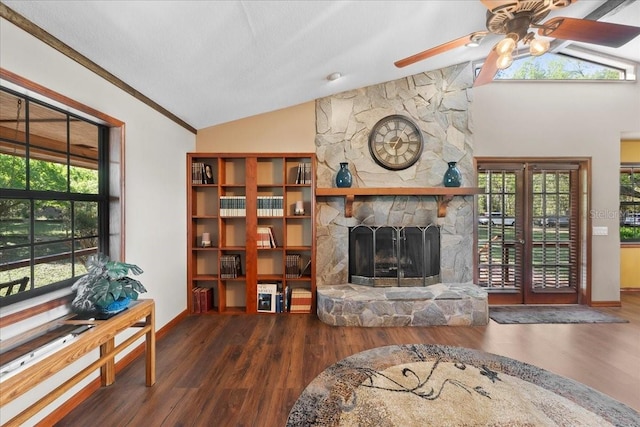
x=438 y=101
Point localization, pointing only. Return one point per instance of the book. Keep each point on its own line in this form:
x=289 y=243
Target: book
x=205 y=299
x=270 y=205
x=300 y=301
x=233 y=205
x=230 y=266
x=293 y=266
x=267 y=293
x=195 y=300
x=265 y=237
x=303 y=175
x=197 y=173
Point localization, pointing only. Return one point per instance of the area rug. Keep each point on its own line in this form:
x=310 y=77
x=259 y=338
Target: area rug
x=432 y=385
x=520 y=314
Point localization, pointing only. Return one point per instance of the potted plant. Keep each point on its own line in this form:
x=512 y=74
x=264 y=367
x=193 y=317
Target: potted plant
x=106 y=286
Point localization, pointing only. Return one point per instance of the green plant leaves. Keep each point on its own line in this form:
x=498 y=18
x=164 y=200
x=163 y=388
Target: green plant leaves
x=107 y=281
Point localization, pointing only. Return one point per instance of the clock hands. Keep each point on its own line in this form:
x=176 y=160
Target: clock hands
x=395 y=144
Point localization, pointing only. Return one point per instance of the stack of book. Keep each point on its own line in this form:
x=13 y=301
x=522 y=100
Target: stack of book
x=233 y=205
x=270 y=205
x=304 y=173
x=300 y=300
x=230 y=267
x=293 y=266
x=202 y=299
x=265 y=238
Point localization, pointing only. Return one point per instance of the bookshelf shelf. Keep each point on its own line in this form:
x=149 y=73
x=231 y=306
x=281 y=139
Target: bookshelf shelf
x=250 y=193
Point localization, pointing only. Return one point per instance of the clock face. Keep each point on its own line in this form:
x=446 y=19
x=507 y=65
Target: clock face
x=395 y=142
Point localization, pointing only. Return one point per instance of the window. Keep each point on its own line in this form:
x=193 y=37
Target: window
x=551 y=66
x=573 y=63
x=630 y=203
x=54 y=204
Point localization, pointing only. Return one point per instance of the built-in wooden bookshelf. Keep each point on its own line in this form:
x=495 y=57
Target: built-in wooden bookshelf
x=252 y=195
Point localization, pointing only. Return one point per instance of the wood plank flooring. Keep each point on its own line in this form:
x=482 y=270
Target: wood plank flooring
x=248 y=370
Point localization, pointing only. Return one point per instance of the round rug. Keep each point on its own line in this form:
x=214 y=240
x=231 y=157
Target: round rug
x=424 y=384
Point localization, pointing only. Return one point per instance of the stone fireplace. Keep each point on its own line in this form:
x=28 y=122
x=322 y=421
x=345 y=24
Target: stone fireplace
x=438 y=102
x=394 y=256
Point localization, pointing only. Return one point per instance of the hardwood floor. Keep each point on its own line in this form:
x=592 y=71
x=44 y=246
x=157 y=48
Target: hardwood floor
x=248 y=370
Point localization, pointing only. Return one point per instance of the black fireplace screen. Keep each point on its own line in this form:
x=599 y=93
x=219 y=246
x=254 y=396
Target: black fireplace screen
x=394 y=256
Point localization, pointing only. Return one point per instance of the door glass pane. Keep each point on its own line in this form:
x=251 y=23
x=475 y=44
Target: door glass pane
x=498 y=252
x=553 y=238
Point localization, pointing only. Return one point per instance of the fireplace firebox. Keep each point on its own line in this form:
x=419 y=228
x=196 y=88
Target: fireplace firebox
x=394 y=256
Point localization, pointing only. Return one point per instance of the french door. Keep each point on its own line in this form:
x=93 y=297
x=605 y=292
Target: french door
x=528 y=232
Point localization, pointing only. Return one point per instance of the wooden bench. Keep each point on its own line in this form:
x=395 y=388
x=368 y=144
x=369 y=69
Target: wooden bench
x=101 y=334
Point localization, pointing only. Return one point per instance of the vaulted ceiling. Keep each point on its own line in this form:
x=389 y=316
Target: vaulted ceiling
x=210 y=62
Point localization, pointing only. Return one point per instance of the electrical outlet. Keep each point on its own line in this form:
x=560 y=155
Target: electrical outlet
x=600 y=231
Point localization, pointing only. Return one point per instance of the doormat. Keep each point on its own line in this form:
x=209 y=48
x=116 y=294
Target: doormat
x=521 y=314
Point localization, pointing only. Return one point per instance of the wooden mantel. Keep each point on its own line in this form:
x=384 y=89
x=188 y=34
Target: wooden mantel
x=442 y=194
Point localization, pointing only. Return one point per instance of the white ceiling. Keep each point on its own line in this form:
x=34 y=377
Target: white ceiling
x=210 y=62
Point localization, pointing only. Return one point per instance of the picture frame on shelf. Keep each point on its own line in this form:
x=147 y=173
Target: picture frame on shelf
x=207 y=176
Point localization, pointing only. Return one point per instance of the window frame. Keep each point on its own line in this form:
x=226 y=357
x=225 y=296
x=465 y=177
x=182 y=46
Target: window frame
x=626 y=168
x=113 y=209
x=627 y=68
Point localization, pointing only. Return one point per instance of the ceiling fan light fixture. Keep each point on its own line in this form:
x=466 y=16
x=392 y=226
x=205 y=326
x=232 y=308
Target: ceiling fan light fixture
x=504 y=61
x=538 y=47
x=475 y=39
x=506 y=45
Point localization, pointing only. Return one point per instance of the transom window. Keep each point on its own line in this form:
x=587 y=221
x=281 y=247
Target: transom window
x=552 y=66
x=54 y=209
x=630 y=203
x=573 y=63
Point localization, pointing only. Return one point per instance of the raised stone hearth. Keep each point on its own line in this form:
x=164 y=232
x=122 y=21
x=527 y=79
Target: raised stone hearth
x=451 y=304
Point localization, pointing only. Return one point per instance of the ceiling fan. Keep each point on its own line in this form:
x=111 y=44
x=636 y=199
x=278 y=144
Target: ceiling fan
x=513 y=18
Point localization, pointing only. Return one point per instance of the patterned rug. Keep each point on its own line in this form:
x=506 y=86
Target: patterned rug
x=520 y=314
x=421 y=384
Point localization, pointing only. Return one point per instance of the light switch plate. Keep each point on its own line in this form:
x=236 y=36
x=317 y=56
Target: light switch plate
x=600 y=231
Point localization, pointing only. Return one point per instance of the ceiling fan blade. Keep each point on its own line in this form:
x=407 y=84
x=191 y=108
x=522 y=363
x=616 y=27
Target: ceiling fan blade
x=438 y=49
x=489 y=69
x=587 y=31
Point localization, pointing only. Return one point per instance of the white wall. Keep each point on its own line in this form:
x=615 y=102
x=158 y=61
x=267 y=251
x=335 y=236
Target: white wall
x=155 y=190
x=576 y=119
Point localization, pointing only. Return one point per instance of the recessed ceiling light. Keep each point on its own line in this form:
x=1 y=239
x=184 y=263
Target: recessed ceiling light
x=334 y=76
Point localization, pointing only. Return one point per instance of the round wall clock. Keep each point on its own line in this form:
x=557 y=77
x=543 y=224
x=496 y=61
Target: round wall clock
x=395 y=142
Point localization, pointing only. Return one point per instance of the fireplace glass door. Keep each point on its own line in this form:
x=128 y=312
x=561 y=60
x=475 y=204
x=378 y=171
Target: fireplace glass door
x=394 y=256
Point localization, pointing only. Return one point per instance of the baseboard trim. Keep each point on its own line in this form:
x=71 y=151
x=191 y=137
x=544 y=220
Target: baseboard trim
x=60 y=412
x=629 y=289
x=605 y=304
